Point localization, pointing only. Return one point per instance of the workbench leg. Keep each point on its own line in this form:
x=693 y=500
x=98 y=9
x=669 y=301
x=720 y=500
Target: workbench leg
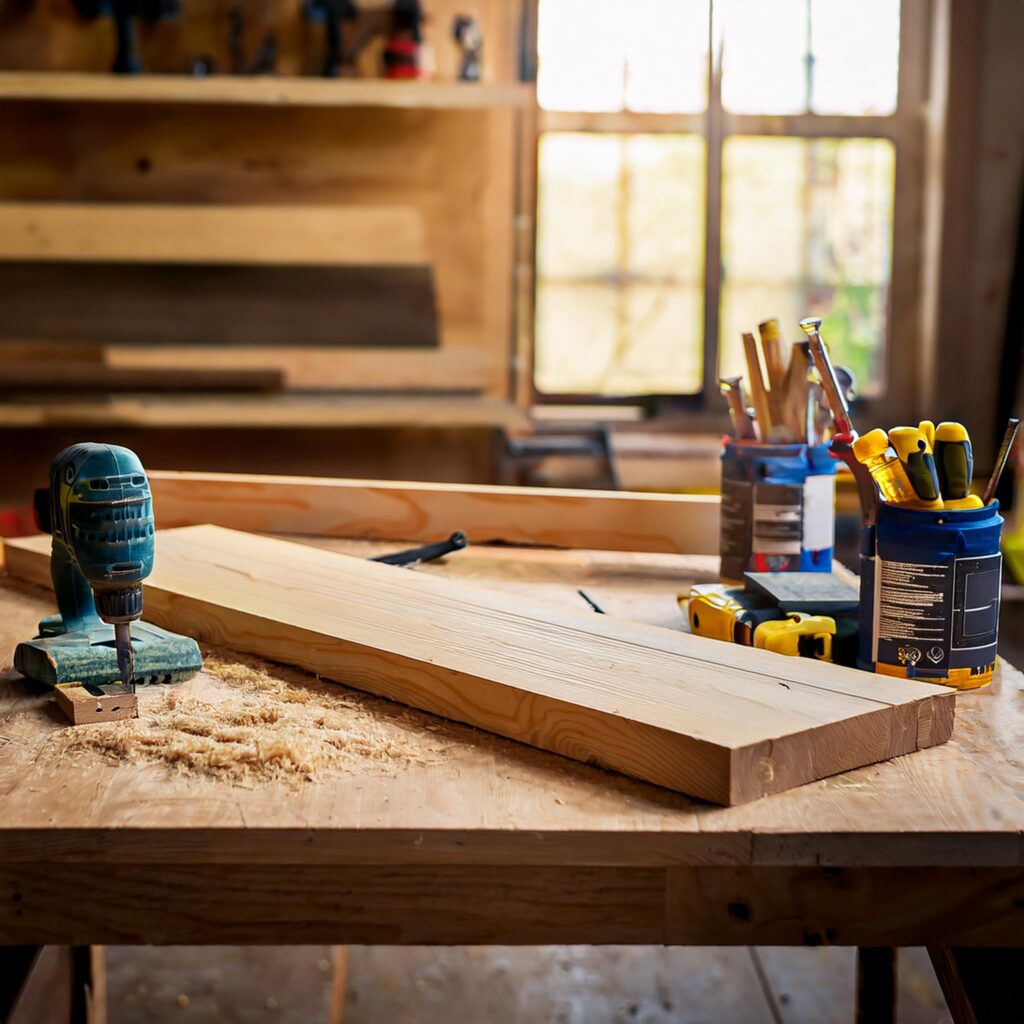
x=16 y=964
x=89 y=985
x=981 y=986
x=340 y=985
x=876 y=985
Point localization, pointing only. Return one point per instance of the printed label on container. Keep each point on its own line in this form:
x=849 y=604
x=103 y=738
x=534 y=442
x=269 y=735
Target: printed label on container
x=912 y=613
x=937 y=617
x=778 y=519
x=976 y=584
x=734 y=531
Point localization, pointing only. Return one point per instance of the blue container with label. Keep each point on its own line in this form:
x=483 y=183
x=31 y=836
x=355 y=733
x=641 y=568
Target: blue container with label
x=929 y=594
x=778 y=508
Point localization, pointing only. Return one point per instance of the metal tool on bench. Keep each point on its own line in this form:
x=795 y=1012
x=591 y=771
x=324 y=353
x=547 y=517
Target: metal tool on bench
x=99 y=511
x=427 y=553
x=806 y=614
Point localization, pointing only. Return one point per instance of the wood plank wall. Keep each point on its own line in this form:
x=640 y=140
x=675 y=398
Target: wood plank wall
x=451 y=172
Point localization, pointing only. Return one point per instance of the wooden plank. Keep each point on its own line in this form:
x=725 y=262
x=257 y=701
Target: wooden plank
x=400 y=510
x=194 y=233
x=497 y=803
x=261 y=91
x=727 y=724
x=272 y=312
x=294 y=410
x=44 y=377
x=170 y=903
x=238 y=368
x=268 y=156
x=316 y=368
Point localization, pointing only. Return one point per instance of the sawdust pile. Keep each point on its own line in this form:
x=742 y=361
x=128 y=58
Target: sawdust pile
x=260 y=727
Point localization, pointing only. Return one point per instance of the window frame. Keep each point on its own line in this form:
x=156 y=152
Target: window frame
x=905 y=128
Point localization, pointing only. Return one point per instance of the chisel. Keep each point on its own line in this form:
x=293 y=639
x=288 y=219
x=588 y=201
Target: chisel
x=758 y=393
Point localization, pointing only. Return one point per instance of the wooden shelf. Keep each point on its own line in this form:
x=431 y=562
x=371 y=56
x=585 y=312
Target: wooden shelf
x=387 y=236
x=263 y=91
x=267 y=411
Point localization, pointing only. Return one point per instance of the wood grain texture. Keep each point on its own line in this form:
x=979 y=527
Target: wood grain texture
x=201 y=154
x=400 y=510
x=275 y=312
x=291 y=410
x=266 y=91
x=181 y=233
x=309 y=368
x=170 y=904
x=726 y=724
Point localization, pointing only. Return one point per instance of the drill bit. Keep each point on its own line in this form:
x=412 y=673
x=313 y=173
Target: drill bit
x=125 y=654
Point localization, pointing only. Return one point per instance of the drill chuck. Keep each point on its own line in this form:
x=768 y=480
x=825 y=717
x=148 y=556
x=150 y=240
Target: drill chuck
x=123 y=604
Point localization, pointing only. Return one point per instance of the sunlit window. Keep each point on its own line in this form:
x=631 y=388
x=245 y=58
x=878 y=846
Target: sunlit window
x=620 y=263
x=821 y=56
x=823 y=241
x=642 y=55
x=805 y=221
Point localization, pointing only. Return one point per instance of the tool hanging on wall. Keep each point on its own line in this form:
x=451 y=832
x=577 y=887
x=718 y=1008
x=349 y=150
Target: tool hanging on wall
x=470 y=42
x=333 y=15
x=403 y=55
x=124 y=14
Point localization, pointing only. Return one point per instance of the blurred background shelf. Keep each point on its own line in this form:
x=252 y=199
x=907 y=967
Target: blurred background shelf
x=276 y=411
x=273 y=91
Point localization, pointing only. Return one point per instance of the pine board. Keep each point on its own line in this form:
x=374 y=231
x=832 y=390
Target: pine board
x=405 y=510
x=723 y=723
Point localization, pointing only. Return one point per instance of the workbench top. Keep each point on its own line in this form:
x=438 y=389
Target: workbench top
x=459 y=799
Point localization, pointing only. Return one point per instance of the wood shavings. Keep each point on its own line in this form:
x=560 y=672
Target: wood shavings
x=239 y=723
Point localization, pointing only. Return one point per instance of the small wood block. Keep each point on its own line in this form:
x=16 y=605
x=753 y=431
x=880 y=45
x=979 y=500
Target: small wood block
x=81 y=707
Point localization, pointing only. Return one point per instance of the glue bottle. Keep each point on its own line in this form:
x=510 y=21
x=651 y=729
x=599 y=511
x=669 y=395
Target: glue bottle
x=872 y=450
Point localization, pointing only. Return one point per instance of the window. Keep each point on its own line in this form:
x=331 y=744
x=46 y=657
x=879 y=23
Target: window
x=706 y=164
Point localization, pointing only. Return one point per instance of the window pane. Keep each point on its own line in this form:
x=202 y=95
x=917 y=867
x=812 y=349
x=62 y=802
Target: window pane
x=579 y=178
x=620 y=264
x=764 y=48
x=642 y=55
x=856 y=46
x=807 y=229
x=826 y=56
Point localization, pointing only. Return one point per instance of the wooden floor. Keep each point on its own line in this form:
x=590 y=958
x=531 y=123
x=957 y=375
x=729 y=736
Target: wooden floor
x=504 y=985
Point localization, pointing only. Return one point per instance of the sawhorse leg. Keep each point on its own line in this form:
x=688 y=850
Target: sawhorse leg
x=981 y=986
x=876 y=985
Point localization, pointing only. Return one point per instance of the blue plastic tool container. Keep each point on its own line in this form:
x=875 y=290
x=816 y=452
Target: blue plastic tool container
x=929 y=590
x=778 y=509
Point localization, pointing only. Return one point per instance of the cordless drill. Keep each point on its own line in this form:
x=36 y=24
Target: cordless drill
x=99 y=511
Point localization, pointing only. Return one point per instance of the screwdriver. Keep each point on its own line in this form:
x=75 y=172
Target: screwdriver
x=811 y=326
x=953 y=460
x=887 y=471
x=916 y=455
x=758 y=392
x=1001 y=459
x=742 y=422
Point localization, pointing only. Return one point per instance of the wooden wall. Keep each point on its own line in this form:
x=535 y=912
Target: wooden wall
x=417 y=295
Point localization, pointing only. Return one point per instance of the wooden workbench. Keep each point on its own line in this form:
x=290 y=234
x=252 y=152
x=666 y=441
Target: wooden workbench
x=493 y=842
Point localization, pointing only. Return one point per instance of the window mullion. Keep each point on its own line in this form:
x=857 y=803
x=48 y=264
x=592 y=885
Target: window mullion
x=713 y=215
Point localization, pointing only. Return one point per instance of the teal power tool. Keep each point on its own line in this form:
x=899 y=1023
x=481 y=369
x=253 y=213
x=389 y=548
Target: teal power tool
x=99 y=511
